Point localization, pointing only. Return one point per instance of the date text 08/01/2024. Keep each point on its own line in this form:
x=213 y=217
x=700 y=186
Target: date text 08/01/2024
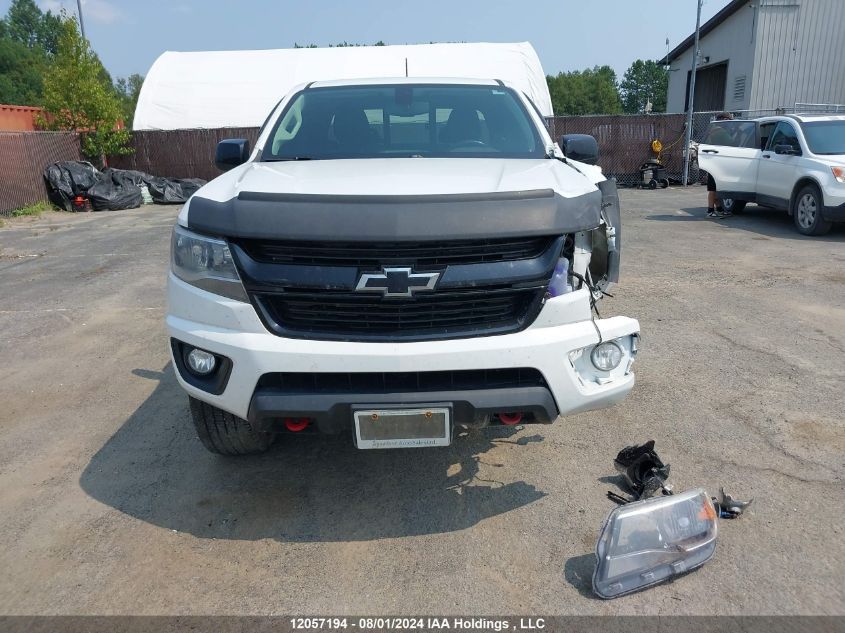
x=419 y=623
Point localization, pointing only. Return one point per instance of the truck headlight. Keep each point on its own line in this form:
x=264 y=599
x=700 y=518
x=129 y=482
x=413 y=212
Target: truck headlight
x=646 y=542
x=206 y=263
x=838 y=173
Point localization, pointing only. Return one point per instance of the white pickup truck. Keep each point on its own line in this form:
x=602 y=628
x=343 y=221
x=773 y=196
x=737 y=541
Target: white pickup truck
x=397 y=259
x=793 y=162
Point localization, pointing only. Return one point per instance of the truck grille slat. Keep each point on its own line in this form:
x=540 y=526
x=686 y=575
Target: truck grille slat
x=377 y=254
x=355 y=315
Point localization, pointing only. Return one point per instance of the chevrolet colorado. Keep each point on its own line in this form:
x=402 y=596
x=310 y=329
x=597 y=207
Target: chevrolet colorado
x=397 y=259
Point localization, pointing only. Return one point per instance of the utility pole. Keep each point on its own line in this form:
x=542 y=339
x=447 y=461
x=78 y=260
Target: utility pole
x=81 y=23
x=691 y=96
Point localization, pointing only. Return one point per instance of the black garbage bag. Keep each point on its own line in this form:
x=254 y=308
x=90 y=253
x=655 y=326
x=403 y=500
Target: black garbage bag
x=172 y=190
x=190 y=186
x=67 y=179
x=115 y=192
x=130 y=176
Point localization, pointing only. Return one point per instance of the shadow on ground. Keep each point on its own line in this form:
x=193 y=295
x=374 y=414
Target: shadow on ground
x=578 y=572
x=754 y=219
x=305 y=489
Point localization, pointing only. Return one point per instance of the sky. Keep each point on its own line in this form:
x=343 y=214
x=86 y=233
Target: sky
x=128 y=35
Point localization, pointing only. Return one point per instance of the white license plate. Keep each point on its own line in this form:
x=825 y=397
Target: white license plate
x=402 y=428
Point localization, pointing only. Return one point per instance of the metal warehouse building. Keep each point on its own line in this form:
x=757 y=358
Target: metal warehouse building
x=763 y=55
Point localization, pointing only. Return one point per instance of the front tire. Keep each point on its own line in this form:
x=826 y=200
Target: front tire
x=807 y=212
x=733 y=206
x=225 y=434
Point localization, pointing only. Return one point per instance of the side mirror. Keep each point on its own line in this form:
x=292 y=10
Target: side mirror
x=786 y=149
x=231 y=153
x=580 y=147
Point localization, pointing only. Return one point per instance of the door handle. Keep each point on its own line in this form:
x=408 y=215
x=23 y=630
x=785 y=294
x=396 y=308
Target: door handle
x=767 y=155
x=710 y=151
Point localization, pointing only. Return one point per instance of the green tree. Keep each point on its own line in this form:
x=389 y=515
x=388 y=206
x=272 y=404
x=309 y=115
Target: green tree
x=76 y=97
x=23 y=22
x=51 y=28
x=645 y=81
x=27 y=24
x=590 y=91
x=28 y=40
x=20 y=74
x=128 y=90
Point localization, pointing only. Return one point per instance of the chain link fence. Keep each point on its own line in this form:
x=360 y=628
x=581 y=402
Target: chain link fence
x=179 y=153
x=23 y=156
x=625 y=141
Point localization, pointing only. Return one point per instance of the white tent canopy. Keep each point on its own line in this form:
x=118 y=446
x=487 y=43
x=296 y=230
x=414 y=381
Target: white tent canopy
x=217 y=89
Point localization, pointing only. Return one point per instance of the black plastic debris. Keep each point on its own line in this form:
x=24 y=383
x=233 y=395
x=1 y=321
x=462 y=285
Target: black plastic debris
x=127 y=176
x=172 y=190
x=112 y=189
x=67 y=179
x=114 y=192
x=644 y=472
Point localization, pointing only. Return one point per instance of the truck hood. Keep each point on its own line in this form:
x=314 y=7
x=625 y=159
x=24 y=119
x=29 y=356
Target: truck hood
x=833 y=160
x=397 y=199
x=400 y=176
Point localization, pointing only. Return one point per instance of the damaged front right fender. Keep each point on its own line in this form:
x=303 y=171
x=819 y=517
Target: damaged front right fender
x=607 y=238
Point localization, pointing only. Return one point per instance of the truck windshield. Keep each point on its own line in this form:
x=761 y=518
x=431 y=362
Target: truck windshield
x=825 y=137
x=407 y=120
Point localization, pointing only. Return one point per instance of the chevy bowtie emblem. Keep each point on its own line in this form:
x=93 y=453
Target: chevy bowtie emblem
x=397 y=282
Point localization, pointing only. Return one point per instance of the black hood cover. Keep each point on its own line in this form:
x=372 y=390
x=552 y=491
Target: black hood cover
x=395 y=218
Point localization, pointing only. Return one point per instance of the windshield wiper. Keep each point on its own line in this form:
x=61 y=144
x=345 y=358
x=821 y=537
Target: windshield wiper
x=286 y=158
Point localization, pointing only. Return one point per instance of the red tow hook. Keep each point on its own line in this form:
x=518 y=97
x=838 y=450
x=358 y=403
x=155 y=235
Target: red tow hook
x=295 y=425
x=511 y=418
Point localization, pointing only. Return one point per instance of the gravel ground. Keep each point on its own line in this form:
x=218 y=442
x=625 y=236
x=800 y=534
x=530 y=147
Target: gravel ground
x=109 y=505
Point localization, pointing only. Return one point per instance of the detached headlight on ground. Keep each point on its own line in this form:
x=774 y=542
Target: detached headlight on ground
x=606 y=356
x=646 y=542
x=206 y=263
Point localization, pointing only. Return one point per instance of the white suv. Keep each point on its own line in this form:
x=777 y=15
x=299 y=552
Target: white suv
x=794 y=162
x=397 y=259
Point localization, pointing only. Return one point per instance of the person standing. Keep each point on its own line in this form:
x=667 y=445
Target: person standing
x=719 y=136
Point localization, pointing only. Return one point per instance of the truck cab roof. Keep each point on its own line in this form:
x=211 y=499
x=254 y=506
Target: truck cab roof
x=387 y=81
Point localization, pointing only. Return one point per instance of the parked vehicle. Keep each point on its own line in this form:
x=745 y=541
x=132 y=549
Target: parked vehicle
x=793 y=162
x=396 y=259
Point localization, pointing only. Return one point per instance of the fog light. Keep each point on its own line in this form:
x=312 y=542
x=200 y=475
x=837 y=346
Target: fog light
x=201 y=362
x=606 y=356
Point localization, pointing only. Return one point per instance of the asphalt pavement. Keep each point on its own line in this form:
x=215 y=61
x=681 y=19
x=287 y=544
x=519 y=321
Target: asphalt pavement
x=110 y=505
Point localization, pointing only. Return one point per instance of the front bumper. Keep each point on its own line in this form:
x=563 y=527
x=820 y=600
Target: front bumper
x=833 y=193
x=834 y=213
x=232 y=329
x=333 y=412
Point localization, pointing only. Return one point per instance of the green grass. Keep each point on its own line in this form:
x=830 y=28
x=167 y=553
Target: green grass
x=33 y=209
